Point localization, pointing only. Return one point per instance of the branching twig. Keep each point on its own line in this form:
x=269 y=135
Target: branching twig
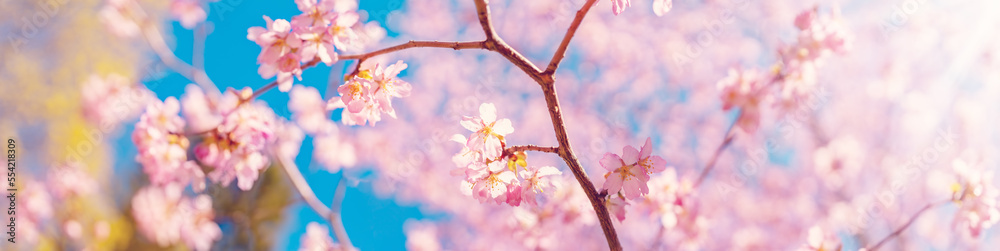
x=561 y=51
x=307 y=194
x=159 y=46
x=908 y=223
x=495 y=43
x=718 y=151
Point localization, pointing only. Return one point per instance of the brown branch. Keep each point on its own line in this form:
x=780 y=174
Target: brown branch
x=908 y=223
x=274 y=83
x=307 y=194
x=718 y=151
x=512 y=149
x=561 y=51
x=495 y=43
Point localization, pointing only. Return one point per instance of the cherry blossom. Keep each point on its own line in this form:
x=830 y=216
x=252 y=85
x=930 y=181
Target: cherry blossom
x=162 y=146
x=661 y=7
x=488 y=132
x=817 y=240
x=71 y=180
x=333 y=153
x=369 y=93
x=743 y=89
x=188 y=12
x=490 y=183
x=278 y=51
x=112 y=99
x=616 y=205
x=315 y=13
x=308 y=109
x=317 y=238
x=624 y=174
x=618 y=6
x=536 y=180
x=117 y=16
x=978 y=208
x=236 y=150
x=164 y=216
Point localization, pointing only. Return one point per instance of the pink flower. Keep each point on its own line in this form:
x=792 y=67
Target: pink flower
x=818 y=240
x=536 y=180
x=661 y=7
x=317 y=238
x=277 y=56
x=308 y=109
x=489 y=183
x=288 y=139
x=387 y=86
x=154 y=210
x=652 y=164
x=113 y=99
x=341 y=32
x=117 y=16
x=625 y=174
x=333 y=153
x=198 y=228
x=71 y=180
x=488 y=132
x=188 y=12
x=36 y=208
x=235 y=150
x=162 y=146
x=165 y=217
x=315 y=13
x=368 y=94
x=616 y=206
x=316 y=42
x=618 y=6
x=199 y=110
x=743 y=89
x=978 y=209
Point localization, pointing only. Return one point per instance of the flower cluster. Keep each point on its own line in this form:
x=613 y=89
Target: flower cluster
x=368 y=94
x=322 y=28
x=159 y=137
x=165 y=216
x=487 y=176
x=977 y=198
x=317 y=238
x=235 y=150
x=112 y=99
x=794 y=76
x=629 y=173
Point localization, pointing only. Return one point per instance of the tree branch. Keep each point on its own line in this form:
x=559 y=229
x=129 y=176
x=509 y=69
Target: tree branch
x=307 y=194
x=718 y=151
x=335 y=216
x=495 y=43
x=561 y=51
x=908 y=223
x=159 y=46
x=512 y=149
x=547 y=83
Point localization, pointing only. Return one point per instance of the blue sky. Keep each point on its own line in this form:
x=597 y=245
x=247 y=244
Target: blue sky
x=230 y=60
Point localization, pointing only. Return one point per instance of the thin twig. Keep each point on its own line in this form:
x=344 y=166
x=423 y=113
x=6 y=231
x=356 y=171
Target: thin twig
x=718 y=151
x=561 y=51
x=335 y=216
x=307 y=194
x=908 y=223
x=159 y=46
x=269 y=86
x=521 y=148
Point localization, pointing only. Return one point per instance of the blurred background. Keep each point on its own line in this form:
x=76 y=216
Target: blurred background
x=916 y=70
